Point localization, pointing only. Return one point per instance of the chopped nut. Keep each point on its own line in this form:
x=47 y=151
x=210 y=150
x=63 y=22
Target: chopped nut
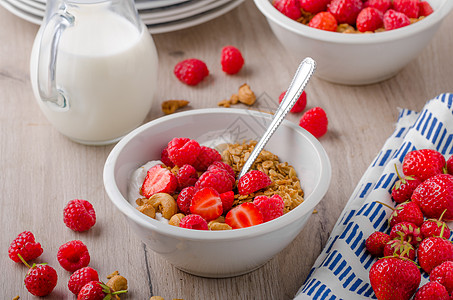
x=165 y=204
x=117 y=283
x=234 y=99
x=156 y=298
x=170 y=106
x=16 y=298
x=246 y=95
x=147 y=209
x=113 y=274
x=224 y=103
x=175 y=219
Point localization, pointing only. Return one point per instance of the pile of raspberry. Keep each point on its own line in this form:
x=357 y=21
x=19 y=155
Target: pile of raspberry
x=350 y=16
x=204 y=188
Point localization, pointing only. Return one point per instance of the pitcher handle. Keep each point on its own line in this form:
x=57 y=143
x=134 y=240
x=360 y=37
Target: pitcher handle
x=47 y=60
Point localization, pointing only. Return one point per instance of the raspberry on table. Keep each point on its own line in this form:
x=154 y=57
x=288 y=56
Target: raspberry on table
x=41 y=279
x=408 y=7
x=79 y=215
x=191 y=71
x=231 y=60
x=370 y=19
x=182 y=151
x=25 y=245
x=394 y=20
x=314 y=6
x=289 y=8
x=193 y=221
x=81 y=277
x=314 y=121
x=253 y=181
x=206 y=157
x=324 y=21
x=345 y=11
x=301 y=103
x=270 y=207
x=73 y=255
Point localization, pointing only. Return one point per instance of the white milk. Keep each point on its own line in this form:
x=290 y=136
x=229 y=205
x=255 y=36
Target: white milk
x=107 y=71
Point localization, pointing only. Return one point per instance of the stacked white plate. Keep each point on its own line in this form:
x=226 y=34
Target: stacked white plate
x=159 y=15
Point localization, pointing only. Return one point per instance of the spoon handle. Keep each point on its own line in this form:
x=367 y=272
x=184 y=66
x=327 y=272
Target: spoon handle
x=300 y=80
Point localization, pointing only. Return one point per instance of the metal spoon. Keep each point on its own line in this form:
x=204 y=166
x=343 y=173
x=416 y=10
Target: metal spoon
x=300 y=80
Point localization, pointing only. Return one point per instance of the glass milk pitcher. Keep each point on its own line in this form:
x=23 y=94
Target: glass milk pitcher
x=93 y=69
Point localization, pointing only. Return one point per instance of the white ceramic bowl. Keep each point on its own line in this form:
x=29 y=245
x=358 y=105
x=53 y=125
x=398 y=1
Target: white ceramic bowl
x=218 y=253
x=355 y=59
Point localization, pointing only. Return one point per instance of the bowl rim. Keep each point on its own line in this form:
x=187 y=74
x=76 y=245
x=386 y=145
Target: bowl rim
x=129 y=211
x=272 y=14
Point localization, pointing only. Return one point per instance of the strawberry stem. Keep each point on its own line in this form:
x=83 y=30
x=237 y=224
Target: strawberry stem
x=385 y=205
x=397 y=173
x=23 y=260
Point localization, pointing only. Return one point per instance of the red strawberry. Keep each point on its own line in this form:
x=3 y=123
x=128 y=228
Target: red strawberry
x=425 y=9
x=376 y=242
x=382 y=5
x=183 y=151
x=314 y=6
x=193 y=222
x=253 y=181
x=404 y=187
x=231 y=60
x=394 y=278
x=25 y=245
x=185 y=198
x=435 y=197
x=408 y=7
x=443 y=274
x=159 y=180
x=271 y=208
x=450 y=165
x=406 y=231
x=79 y=215
x=399 y=248
x=218 y=179
x=96 y=290
x=81 y=277
x=406 y=212
x=324 y=21
x=345 y=11
x=370 y=19
x=301 y=103
x=40 y=279
x=244 y=215
x=191 y=71
x=394 y=20
x=289 y=8
x=165 y=159
x=435 y=227
x=423 y=163
x=186 y=176
x=206 y=157
x=73 y=255
x=206 y=202
x=227 y=200
x=432 y=291
x=433 y=251
x=314 y=121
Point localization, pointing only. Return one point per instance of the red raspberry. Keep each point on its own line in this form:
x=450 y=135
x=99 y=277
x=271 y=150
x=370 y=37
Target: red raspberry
x=432 y=290
x=423 y=163
x=184 y=199
x=217 y=179
x=25 y=245
x=324 y=21
x=315 y=121
x=73 y=255
x=376 y=242
x=187 y=176
x=79 y=215
x=406 y=212
x=271 y=208
x=206 y=157
x=399 y=248
x=450 y=165
x=183 y=151
x=433 y=251
x=434 y=196
x=193 y=221
x=231 y=60
x=81 y=277
x=408 y=7
x=443 y=274
x=191 y=71
x=425 y=9
x=289 y=8
x=159 y=180
x=345 y=11
x=165 y=159
x=406 y=231
x=394 y=20
x=227 y=200
x=41 y=280
x=301 y=103
x=96 y=290
x=224 y=166
x=314 y=6
x=253 y=181
x=435 y=227
x=382 y=5
x=370 y=19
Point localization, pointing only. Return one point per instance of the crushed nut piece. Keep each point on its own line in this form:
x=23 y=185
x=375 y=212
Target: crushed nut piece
x=156 y=298
x=117 y=283
x=147 y=209
x=113 y=274
x=16 y=298
x=224 y=103
x=175 y=219
x=246 y=95
x=170 y=106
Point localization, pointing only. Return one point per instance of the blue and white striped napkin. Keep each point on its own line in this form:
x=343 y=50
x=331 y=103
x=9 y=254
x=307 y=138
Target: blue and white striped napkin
x=341 y=270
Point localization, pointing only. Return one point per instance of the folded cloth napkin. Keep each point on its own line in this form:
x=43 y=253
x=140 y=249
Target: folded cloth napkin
x=341 y=270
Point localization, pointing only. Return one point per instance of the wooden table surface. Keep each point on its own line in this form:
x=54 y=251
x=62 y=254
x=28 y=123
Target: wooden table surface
x=41 y=170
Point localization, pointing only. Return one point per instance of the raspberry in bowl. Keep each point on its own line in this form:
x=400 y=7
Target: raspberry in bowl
x=208 y=252
x=352 y=58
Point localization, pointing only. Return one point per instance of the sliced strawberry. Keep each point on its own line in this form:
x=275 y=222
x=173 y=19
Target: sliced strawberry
x=159 y=180
x=244 y=215
x=206 y=202
x=227 y=200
